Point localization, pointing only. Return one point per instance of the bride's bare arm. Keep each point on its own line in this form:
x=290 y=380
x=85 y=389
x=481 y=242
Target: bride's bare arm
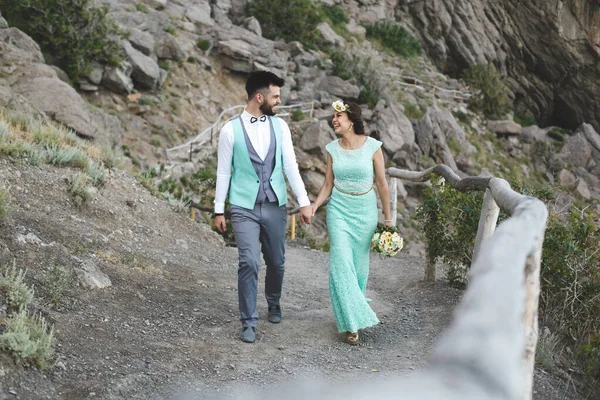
x=382 y=185
x=327 y=187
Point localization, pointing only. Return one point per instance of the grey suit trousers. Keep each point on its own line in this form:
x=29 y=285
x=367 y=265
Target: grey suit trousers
x=262 y=228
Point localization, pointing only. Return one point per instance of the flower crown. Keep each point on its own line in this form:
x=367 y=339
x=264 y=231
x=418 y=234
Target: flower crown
x=339 y=106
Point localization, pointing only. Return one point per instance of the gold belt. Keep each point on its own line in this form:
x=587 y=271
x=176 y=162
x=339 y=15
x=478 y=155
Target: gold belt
x=354 y=193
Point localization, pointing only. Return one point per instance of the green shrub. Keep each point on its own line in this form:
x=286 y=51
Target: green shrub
x=492 y=94
x=462 y=117
x=56 y=285
x=368 y=97
x=145 y=101
x=287 y=19
x=203 y=44
x=70 y=156
x=413 y=111
x=335 y=14
x=524 y=120
x=28 y=339
x=395 y=38
x=449 y=219
x=4 y=208
x=547 y=350
x=112 y=157
x=13 y=287
x=71 y=33
x=557 y=134
x=96 y=172
x=297 y=115
x=80 y=189
x=171 y=29
x=141 y=7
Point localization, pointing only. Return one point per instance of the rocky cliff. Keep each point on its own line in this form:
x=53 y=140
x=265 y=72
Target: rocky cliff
x=549 y=49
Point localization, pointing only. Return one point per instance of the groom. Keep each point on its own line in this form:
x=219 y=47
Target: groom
x=258 y=147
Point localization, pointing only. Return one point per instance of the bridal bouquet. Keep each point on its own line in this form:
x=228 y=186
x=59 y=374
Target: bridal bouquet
x=387 y=241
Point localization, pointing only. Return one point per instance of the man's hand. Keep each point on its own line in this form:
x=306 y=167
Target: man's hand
x=306 y=214
x=220 y=224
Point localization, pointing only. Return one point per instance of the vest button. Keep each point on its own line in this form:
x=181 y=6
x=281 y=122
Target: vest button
x=257 y=181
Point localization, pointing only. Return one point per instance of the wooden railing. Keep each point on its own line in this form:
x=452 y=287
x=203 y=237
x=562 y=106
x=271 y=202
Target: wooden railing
x=209 y=133
x=491 y=342
x=488 y=352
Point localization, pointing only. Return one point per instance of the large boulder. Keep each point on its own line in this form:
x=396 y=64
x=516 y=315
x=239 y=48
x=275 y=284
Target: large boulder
x=315 y=137
x=22 y=44
x=200 y=14
x=63 y=103
x=118 y=79
x=505 y=127
x=432 y=133
x=3 y=23
x=243 y=51
x=142 y=41
x=576 y=151
x=394 y=129
x=329 y=36
x=338 y=87
x=145 y=73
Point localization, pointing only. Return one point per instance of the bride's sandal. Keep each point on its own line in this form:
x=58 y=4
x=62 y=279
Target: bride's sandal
x=352 y=338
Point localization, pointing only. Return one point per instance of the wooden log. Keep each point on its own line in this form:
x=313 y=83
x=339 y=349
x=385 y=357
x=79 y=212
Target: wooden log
x=429 y=269
x=487 y=221
x=532 y=293
x=393 y=185
x=487 y=336
x=464 y=185
x=293 y=227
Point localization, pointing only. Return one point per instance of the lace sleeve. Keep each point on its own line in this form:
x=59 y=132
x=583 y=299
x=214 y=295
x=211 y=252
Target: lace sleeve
x=375 y=145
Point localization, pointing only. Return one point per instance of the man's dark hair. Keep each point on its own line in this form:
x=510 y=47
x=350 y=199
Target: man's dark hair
x=260 y=80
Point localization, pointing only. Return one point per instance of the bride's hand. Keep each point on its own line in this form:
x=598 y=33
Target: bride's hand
x=389 y=223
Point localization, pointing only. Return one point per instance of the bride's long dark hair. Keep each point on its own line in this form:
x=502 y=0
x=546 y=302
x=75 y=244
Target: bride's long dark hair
x=355 y=115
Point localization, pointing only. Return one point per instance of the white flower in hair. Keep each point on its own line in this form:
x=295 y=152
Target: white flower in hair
x=339 y=106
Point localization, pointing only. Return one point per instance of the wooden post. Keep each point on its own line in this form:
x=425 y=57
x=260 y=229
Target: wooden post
x=487 y=221
x=293 y=233
x=429 y=269
x=193 y=213
x=532 y=296
x=393 y=185
x=191 y=149
x=312 y=108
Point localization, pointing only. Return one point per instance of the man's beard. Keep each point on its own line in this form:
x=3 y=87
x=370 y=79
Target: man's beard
x=266 y=109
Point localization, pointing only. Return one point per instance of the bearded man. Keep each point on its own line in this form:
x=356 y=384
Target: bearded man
x=257 y=146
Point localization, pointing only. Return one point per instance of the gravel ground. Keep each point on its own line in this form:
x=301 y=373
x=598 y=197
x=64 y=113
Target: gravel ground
x=167 y=327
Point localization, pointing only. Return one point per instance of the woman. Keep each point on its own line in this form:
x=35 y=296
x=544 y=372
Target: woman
x=352 y=161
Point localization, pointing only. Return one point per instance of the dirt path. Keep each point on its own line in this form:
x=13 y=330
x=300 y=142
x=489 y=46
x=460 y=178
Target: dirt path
x=168 y=325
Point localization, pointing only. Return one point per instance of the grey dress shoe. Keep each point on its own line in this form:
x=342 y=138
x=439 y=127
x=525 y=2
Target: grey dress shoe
x=248 y=334
x=274 y=314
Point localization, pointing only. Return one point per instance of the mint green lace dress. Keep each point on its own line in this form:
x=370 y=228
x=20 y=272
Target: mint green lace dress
x=351 y=223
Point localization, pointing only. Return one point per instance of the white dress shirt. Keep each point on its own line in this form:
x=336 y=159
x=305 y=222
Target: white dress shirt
x=259 y=134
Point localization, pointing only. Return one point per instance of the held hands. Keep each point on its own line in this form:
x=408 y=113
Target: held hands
x=306 y=214
x=219 y=223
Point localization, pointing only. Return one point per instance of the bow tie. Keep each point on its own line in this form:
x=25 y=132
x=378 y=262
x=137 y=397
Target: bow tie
x=254 y=119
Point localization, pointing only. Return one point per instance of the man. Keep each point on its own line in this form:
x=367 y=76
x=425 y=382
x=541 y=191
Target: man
x=258 y=146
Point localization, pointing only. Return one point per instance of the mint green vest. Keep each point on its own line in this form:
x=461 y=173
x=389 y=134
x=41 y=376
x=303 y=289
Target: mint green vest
x=244 y=181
